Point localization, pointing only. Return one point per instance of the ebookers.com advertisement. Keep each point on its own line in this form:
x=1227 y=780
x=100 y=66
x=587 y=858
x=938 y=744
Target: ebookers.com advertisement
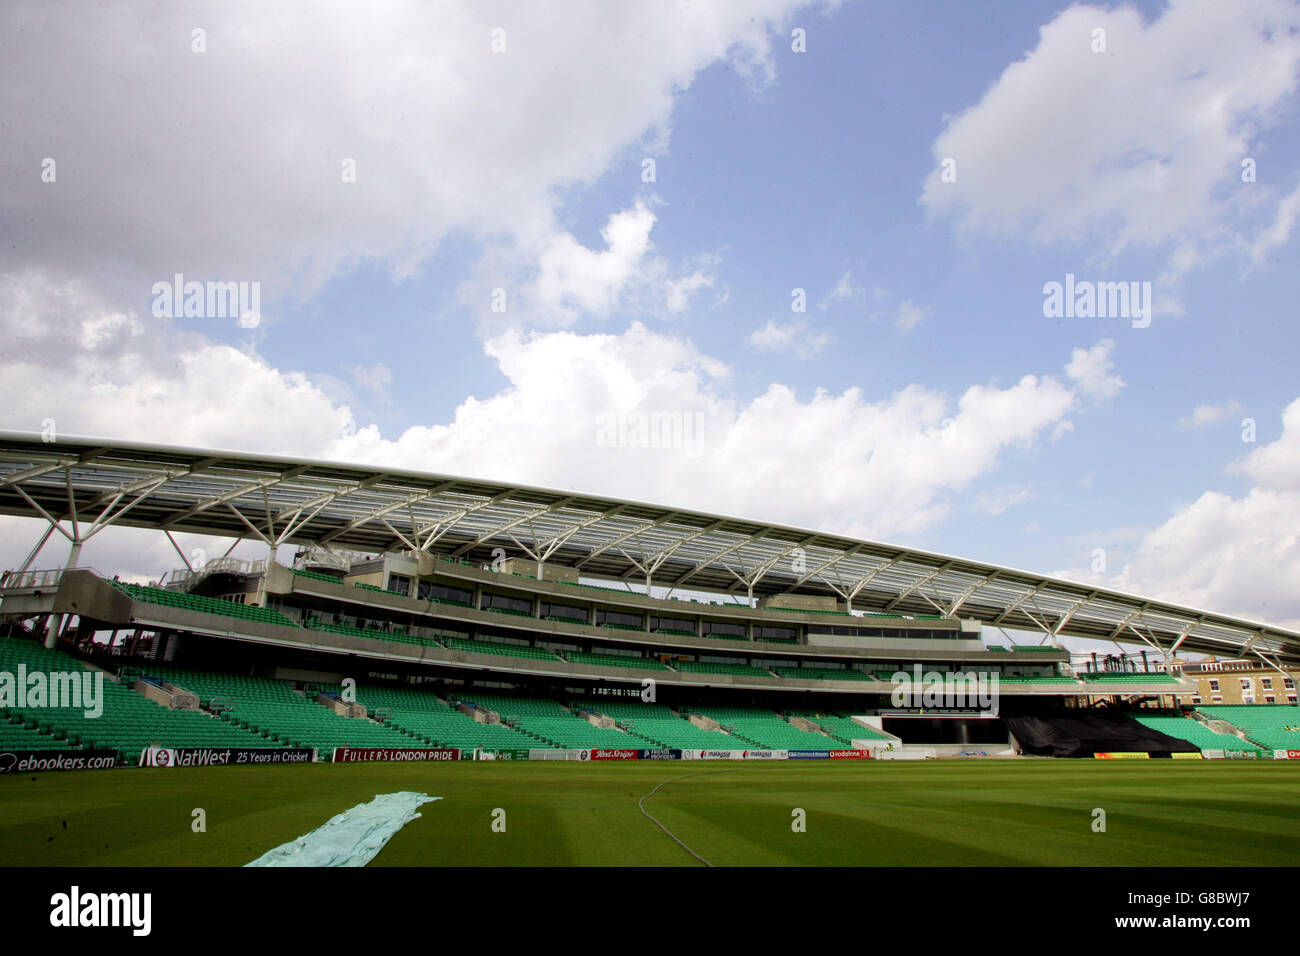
x=30 y=761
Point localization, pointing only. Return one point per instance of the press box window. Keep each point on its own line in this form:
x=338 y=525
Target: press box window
x=506 y=603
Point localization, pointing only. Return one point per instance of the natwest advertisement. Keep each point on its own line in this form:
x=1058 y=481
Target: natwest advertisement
x=223 y=756
x=408 y=755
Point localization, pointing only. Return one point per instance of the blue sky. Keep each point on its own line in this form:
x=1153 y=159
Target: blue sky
x=775 y=170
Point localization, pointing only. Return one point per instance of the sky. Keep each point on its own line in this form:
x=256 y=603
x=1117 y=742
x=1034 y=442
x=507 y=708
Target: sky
x=820 y=239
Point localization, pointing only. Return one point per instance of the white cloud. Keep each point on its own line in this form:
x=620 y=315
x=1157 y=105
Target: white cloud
x=846 y=290
x=1235 y=555
x=681 y=291
x=120 y=374
x=1288 y=210
x=374 y=378
x=997 y=500
x=908 y=316
x=1093 y=370
x=838 y=462
x=573 y=275
x=233 y=168
x=841 y=462
x=795 y=336
x=1140 y=145
x=1204 y=415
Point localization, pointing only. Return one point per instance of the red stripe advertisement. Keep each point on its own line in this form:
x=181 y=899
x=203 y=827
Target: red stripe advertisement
x=613 y=754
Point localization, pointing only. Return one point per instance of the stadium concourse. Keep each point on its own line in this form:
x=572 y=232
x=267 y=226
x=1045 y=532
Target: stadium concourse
x=426 y=617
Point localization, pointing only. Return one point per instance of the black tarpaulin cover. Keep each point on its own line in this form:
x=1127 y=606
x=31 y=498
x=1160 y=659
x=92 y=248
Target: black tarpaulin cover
x=1085 y=734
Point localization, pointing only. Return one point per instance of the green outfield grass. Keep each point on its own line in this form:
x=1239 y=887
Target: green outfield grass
x=1169 y=813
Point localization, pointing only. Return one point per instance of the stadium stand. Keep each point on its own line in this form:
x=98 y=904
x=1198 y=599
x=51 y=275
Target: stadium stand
x=1271 y=726
x=1039 y=679
x=272 y=709
x=317 y=576
x=397 y=634
x=1128 y=678
x=843 y=728
x=423 y=714
x=128 y=722
x=702 y=667
x=659 y=726
x=821 y=673
x=614 y=660
x=194 y=602
x=766 y=729
x=1192 y=730
x=500 y=649
x=550 y=721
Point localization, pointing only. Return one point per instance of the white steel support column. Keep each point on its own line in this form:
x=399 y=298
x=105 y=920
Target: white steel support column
x=49 y=530
x=56 y=622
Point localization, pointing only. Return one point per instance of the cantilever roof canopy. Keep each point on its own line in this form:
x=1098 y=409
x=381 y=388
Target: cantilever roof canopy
x=83 y=485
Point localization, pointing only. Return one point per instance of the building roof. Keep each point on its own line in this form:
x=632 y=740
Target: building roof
x=87 y=484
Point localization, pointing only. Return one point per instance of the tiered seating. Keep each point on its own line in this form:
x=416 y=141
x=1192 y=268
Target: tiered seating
x=766 y=729
x=128 y=722
x=597 y=587
x=317 y=576
x=400 y=636
x=1036 y=679
x=272 y=708
x=195 y=602
x=1271 y=726
x=806 y=610
x=1192 y=730
x=548 y=720
x=821 y=673
x=132 y=723
x=375 y=587
x=614 y=660
x=843 y=728
x=500 y=649
x=513 y=612
x=700 y=667
x=659 y=727
x=1034 y=649
x=565 y=619
x=1129 y=678
x=21 y=732
x=427 y=716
